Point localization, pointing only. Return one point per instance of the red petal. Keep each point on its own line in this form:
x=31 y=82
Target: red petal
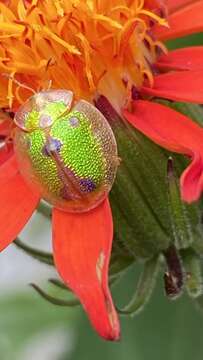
x=165 y=126
x=5 y=125
x=173 y=5
x=192 y=180
x=17 y=202
x=185 y=21
x=82 y=247
x=174 y=132
x=6 y=151
x=6 y=147
x=155 y=5
x=178 y=85
x=8 y=169
x=190 y=58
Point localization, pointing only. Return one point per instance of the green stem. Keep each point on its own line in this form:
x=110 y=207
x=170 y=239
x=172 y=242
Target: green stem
x=42 y=256
x=179 y=218
x=44 y=209
x=144 y=288
x=53 y=300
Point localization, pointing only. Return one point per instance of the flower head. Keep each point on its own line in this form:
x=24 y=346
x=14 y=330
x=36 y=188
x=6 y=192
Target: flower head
x=108 y=50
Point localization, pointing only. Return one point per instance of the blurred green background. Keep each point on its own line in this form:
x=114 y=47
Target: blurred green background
x=31 y=328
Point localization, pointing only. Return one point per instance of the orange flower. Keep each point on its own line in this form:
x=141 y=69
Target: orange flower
x=94 y=48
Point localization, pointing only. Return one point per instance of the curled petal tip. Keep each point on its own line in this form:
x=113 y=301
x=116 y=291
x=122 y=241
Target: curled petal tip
x=192 y=180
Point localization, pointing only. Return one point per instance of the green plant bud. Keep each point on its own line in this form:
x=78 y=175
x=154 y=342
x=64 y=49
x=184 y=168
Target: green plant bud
x=178 y=212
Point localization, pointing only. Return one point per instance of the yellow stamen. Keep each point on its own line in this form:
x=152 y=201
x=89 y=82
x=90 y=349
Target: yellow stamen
x=87 y=53
x=72 y=49
x=121 y=9
x=10 y=89
x=59 y=7
x=19 y=98
x=140 y=5
x=107 y=21
x=161 y=46
x=155 y=17
x=11 y=28
x=149 y=76
x=6 y=36
x=21 y=10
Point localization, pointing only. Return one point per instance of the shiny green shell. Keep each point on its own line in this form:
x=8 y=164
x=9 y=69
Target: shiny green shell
x=67 y=153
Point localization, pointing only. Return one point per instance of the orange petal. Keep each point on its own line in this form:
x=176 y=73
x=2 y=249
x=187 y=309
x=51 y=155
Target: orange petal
x=82 y=247
x=17 y=202
x=174 y=132
x=178 y=85
x=187 y=20
x=190 y=58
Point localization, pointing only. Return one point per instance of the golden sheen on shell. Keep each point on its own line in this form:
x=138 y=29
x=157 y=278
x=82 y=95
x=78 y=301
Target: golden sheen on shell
x=66 y=150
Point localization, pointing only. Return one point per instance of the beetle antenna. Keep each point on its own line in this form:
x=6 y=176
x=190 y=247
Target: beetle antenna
x=49 y=85
x=11 y=77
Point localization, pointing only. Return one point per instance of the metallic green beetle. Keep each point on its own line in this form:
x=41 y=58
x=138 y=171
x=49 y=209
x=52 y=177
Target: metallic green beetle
x=66 y=150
